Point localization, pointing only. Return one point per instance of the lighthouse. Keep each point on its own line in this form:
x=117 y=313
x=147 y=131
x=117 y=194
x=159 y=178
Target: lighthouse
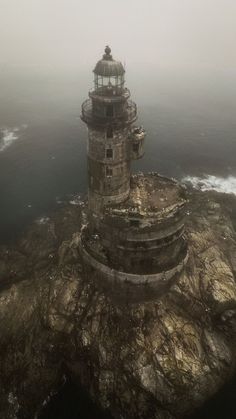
x=112 y=141
x=133 y=244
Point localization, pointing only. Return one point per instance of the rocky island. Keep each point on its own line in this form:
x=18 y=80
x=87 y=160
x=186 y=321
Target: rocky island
x=159 y=358
x=130 y=295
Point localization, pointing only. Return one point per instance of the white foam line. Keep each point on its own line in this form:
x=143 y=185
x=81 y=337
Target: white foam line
x=7 y=138
x=215 y=183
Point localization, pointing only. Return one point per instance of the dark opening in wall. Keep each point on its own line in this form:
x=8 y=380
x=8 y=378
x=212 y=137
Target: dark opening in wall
x=109 y=132
x=136 y=147
x=109 y=171
x=109 y=153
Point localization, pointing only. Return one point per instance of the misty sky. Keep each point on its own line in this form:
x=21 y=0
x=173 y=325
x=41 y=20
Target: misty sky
x=161 y=33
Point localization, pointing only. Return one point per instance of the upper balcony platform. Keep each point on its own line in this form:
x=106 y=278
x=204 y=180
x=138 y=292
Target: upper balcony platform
x=110 y=94
x=127 y=117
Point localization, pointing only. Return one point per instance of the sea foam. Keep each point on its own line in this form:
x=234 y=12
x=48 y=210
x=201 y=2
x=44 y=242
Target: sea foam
x=7 y=137
x=215 y=183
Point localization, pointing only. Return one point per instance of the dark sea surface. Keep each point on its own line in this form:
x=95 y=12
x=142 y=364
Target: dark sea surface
x=190 y=122
x=191 y=125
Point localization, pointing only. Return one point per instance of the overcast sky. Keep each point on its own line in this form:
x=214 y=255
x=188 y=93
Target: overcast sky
x=158 y=33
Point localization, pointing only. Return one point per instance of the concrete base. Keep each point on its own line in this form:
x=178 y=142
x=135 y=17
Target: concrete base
x=127 y=286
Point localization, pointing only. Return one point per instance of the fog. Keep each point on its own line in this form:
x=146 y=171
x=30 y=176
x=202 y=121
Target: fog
x=67 y=35
x=180 y=62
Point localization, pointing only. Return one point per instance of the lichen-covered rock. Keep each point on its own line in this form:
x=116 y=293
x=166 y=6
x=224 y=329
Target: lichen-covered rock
x=159 y=358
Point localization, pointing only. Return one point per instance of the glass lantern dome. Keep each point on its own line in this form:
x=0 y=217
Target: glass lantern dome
x=108 y=72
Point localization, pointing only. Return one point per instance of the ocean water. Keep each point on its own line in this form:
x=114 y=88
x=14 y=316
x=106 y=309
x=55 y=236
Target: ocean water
x=191 y=126
x=190 y=123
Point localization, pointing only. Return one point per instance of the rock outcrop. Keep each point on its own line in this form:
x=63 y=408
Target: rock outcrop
x=159 y=359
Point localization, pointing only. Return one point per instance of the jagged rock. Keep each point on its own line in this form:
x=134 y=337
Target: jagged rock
x=158 y=359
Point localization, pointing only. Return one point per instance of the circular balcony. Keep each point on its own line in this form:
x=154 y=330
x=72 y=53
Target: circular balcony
x=109 y=94
x=128 y=116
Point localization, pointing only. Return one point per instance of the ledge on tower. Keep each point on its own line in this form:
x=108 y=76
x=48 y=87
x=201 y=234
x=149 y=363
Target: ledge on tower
x=91 y=116
x=140 y=241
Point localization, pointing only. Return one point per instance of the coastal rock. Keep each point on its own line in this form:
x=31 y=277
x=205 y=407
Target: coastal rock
x=160 y=358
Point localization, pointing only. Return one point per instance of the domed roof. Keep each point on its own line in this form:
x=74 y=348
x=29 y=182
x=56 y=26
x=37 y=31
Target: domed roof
x=107 y=67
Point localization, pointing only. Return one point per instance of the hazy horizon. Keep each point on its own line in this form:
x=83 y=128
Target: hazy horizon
x=66 y=35
x=180 y=62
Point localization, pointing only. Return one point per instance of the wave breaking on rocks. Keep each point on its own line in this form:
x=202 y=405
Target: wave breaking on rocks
x=215 y=183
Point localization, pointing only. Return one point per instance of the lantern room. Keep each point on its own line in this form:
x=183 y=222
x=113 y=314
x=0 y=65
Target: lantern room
x=108 y=74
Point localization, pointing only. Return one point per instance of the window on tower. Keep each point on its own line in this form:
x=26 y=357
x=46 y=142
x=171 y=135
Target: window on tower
x=136 y=147
x=109 y=171
x=109 y=153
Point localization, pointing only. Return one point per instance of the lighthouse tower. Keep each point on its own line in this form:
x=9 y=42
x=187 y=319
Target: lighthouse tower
x=112 y=143
x=133 y=242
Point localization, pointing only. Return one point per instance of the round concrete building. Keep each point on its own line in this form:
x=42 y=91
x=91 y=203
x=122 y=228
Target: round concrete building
x=134 y=236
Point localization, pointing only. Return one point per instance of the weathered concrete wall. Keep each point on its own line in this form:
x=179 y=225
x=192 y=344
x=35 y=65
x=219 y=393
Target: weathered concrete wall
x=108 y=167
x=137 y=239
x=103 y=182
x=139 y=287
x=136 y=260
x=97 y=202
x=98 y=142
x=153 y=250
x=145 y=230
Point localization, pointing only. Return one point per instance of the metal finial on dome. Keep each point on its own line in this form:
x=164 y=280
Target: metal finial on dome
x=107 y=55
x=107 y=66
x=108 y=50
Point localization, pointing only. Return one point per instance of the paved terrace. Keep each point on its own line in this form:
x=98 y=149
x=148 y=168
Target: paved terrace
x=151 y=194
